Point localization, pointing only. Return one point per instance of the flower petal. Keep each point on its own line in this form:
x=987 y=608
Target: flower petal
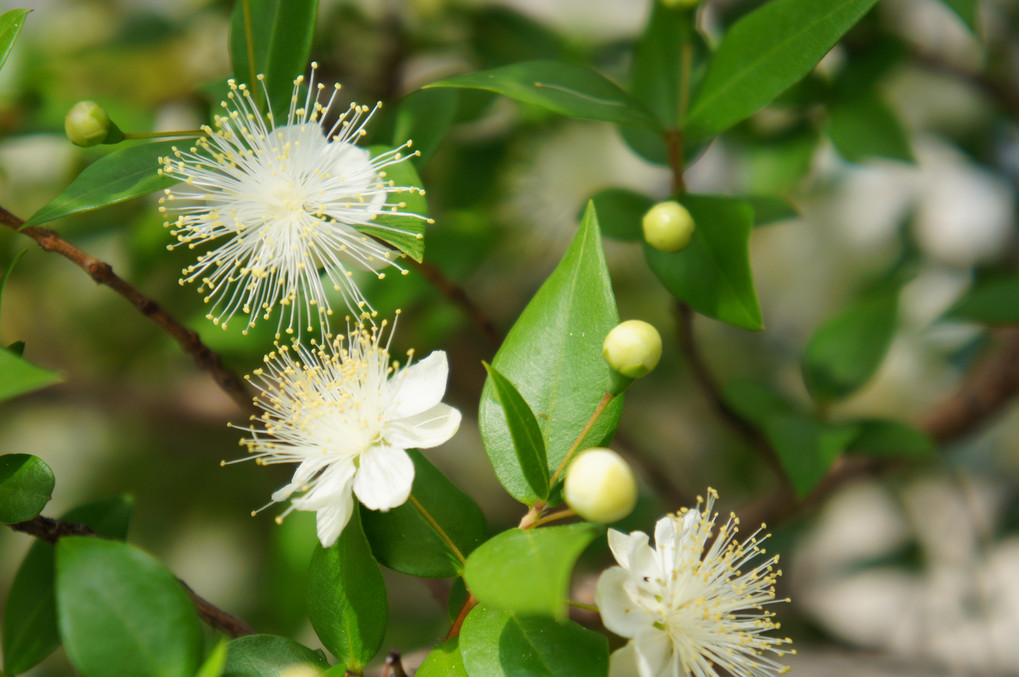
x=619 y=612
x=384 y=479
x=623 y=662
x=419 y=387
x=623 y=545
x=331 y=519
x=655 y=655
x=426 y=430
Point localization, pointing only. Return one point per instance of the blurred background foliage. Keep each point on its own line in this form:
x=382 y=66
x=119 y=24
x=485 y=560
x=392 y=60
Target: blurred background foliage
x=915 y=568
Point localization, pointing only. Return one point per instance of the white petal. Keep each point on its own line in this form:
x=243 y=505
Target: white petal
x=301 y=479
x=384 y=479
x=618 y=611
x=623 y=545
x=419 y=387
x=654 y=653
x=426 y=430
x=331 y=519
x=623 y=662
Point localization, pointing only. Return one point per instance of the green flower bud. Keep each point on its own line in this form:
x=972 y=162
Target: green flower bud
x=681 y=3
x=668 y=226
x=600 y=486
x=87 y=124
x=632 y=348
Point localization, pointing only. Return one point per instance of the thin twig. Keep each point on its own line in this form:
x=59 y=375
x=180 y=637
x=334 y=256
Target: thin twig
x=51 y=530
x=102 y=273
x=458 y=295
x=393 y=667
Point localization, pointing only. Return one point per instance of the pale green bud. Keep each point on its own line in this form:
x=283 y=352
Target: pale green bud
x=687 y=4
x=632 y=348
x=668 y=226
x=600 y=486
x=87 y=124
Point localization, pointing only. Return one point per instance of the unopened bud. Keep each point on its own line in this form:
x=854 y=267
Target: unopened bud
x=632 y=348
x=681 y=3
x=87 y=124
x=301 y=670
x=600 y=486
x=668 y=226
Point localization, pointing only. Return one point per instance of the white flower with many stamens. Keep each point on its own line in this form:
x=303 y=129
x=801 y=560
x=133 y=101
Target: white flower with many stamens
x=347 y=417
x=284 y=207
x=687 y=604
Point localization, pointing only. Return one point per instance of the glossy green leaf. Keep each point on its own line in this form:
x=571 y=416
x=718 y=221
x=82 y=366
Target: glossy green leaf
x=19 y=376
x=406 y=233
x=524 y=431
x=564 y=88
x=10 y=26
x=125 y=173
x=993 y=300
x=528 y=570
x=499 y=644
x=553 y=353
x=347 y=598
x=967 y=11
x=30 y=615
x=847 y=349
x=403 y=540
x=893 y=439
x=444 y=660
x=806 y=447
x=763 y=54
x=7 y=275
x=756 y=402
x=26 y=486
x=214 y=662
x=621 y=213
x=281 y=32
x=424 y=117
x=121 y=612
x=865 y=127
x=712 y=275
x=268 y=656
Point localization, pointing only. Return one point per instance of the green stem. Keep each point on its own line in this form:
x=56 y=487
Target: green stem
x=165 y=135
x=581 y=605
x=608 y=397
x=439 y=531
x=249 y=35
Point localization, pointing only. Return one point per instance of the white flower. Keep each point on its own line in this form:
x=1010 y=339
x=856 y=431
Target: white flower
x=347 y=417
x=283 y=202
x=686 y=604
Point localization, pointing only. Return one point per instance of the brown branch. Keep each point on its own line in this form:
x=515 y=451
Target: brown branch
x=393 y=667
x=102 y=273
x=458 y=295
x=51 y=530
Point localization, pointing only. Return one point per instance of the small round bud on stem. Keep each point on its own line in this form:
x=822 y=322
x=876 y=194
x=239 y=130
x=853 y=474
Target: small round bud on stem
x=668 y=226
x=632 y=349
x=87 y=124
x=600 y=486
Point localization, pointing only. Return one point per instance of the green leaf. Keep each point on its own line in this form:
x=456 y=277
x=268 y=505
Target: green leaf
x=19 y=376
x=121 y=612
x=712 y=275
x=756 y=402
x=621 y=213
x=268 y=656
x=806 y=447
x=10 y=26
x=564 y=88
x=763 y=54
x=847 y=349
x=992 y=300
x=347 y=598
x=424 y=117
x=967 y=11
x=125 y=173
x=26 y=486
x=30 y=615
x=864 y=127
x=403 y=540
x=444 y=660
x=214 y=662
x=281 y=32
x=406 y=233
x=553 y=352
x=893 y=439
x=528 y=570
x=524 y=431
x=499 y=644
x=7 y=274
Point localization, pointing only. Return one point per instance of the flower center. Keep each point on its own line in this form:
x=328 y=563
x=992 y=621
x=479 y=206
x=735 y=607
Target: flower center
x=286 y=202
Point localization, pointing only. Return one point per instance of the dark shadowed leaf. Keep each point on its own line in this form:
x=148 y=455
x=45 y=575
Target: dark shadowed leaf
x=26 y=485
